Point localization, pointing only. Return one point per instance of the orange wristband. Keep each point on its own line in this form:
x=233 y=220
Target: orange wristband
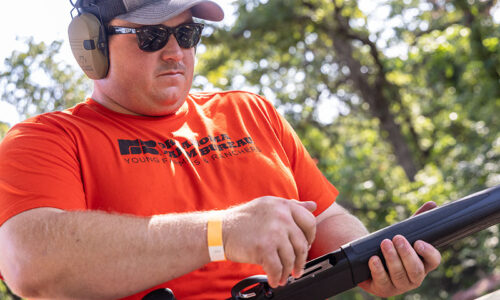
x=214 y=237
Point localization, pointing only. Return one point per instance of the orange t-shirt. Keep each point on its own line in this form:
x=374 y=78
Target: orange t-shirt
x=219 y=150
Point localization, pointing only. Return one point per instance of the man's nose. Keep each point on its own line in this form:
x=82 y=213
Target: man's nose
x=172 y=50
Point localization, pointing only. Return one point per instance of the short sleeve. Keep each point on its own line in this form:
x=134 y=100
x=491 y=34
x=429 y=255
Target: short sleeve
x=39 y=168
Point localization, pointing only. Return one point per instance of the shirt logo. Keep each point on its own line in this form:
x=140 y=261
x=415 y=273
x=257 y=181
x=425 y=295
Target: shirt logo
x=203 y=150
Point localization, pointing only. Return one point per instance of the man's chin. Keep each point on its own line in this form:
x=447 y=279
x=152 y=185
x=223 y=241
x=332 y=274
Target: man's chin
x=165 y=107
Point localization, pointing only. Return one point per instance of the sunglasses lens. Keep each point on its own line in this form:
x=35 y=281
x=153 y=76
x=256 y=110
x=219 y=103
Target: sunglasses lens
x=152 y=38
x=188 y=35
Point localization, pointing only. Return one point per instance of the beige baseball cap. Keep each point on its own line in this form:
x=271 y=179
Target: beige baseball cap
x=155 y=12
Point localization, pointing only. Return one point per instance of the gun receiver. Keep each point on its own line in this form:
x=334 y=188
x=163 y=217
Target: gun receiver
x=343 y=269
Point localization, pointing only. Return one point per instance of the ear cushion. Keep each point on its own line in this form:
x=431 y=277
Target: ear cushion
x=87 y=38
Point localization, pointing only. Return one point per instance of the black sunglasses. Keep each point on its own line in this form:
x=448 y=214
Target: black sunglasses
x=154 y=37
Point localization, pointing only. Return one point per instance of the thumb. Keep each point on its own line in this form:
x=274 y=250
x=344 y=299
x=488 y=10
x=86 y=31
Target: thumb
x=309 y=205
x=427 y=206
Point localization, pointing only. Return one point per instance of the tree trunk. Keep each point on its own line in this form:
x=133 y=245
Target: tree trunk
x=373 y=94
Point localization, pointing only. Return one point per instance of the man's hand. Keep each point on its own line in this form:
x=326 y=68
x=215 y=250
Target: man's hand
x=406 y=270
x=273 y=232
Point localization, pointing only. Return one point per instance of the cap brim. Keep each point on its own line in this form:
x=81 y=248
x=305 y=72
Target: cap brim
x=161 y=11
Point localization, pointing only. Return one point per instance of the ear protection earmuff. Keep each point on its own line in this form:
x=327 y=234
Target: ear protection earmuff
x=88 y=41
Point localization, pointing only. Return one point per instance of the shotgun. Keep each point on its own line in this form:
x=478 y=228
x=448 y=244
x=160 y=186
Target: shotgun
x=343 y=269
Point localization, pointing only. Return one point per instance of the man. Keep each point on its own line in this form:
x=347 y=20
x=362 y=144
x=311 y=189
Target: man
x=145 y=186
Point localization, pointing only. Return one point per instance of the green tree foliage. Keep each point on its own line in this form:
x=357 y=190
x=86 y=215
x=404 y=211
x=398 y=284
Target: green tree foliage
x=3 y=129
x=406 y=129
x=35 y=81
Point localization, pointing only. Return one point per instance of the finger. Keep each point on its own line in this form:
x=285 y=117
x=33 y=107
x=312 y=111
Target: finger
x=394 y=264
x=427 y=206
x=379 y=275
x=309 y=205
x=305 y=220
x=301 y=248
x=287 y=258
x=431 y=256
x=413 y=265
x=273 y=268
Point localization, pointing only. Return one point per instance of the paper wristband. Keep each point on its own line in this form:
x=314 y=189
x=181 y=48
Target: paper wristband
x=214 y=237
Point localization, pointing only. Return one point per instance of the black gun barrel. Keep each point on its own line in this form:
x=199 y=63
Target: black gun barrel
x=439 y=227
x=343 y=269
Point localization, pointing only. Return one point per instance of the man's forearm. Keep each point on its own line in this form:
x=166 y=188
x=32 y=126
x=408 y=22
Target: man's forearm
x=335 y=230
x=98 y=255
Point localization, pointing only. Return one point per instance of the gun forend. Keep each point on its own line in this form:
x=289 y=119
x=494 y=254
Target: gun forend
x=439 y=227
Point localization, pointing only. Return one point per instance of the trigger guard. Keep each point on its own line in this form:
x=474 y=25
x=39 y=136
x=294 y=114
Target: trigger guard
x=249 y=281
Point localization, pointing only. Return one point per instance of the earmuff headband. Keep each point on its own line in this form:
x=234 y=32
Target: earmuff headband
x=108 y=9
